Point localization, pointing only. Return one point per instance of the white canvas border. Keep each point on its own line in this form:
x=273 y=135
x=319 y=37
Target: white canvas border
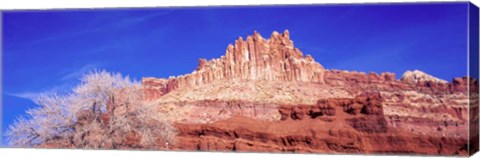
x=67 y=4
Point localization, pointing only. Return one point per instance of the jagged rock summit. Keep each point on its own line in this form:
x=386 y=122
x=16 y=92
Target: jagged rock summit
x=257 y=58
x=254 y=58
x=272 y=59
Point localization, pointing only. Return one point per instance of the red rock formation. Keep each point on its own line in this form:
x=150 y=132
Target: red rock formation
x=264 y=95
x=328 y=127
x=255 y=58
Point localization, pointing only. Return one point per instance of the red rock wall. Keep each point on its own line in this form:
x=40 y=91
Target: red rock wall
x=277 y=59
x=255 y=58
x=335 y=125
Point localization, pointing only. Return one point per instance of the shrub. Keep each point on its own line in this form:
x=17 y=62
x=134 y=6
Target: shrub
x=106 y=110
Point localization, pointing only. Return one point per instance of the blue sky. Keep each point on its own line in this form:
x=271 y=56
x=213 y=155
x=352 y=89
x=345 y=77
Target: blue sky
x=46 y=51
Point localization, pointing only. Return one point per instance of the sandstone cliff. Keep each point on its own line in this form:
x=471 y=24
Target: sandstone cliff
x=277 y=60
x=255 y=58
x=264 y=95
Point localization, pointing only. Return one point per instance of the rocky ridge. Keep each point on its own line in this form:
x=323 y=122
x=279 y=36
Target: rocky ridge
x=276 y=59
x=270 y=83
x=255 y=58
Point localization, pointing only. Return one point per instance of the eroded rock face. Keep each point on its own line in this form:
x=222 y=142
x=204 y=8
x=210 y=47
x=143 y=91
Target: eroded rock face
x=255 y=58
x=264 y=95
x=327 y=127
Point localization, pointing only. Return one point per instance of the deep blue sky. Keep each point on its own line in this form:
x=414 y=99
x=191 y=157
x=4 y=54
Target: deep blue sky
x=46 y=51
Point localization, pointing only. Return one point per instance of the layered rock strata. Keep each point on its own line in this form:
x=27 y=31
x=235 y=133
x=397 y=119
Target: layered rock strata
x=264 y=95
x=255 y=58
x=341 y=125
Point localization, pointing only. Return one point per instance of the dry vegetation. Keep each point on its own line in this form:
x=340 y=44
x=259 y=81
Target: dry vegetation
x=105 y=111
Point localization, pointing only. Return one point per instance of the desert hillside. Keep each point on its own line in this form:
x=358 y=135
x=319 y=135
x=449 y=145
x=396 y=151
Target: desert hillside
x=265 y=95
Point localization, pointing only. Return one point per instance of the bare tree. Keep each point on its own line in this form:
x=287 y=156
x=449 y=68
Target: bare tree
x=52 y=119
x=23 y=133
x=106 y=110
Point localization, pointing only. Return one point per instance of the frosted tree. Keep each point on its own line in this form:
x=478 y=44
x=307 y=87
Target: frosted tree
x=52 y=119
x=97 y=88
x=23 y=133
x=98 y=113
